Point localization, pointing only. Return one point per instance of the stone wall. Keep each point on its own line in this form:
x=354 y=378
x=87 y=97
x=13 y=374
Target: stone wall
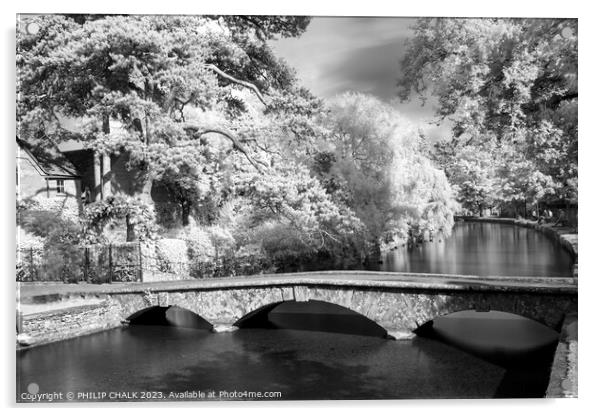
x=63 y=323
x=563 y=377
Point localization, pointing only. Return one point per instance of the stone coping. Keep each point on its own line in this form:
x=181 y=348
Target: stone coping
x=365 y=279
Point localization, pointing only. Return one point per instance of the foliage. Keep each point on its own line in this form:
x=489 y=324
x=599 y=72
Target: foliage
x=63 y=256
x=48 y=243
x=198 y=242
x=137 y=82
x=294 y=199
x=513 y=81
x=41 y=223
x=376 y=167
x=29 y=253
x=28 y=241
x=473 y=172
x=172 y=256
x=139 y=216
x=179 y=94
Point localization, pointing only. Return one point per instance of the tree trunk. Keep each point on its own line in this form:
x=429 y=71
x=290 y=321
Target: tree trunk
x=185 y=213
x=130 y=233
x=147 y=176
x=147 y=187
x=143 y=183
x=97 y=177
x=105 y=179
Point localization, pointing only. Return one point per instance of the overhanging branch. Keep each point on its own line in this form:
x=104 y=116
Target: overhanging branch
x=230 y=78
x=236 y=144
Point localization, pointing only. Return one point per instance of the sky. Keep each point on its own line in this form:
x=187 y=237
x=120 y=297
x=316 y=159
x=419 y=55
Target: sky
x=338 y=54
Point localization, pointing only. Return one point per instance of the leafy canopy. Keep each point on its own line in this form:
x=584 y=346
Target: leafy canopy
x=512 y=80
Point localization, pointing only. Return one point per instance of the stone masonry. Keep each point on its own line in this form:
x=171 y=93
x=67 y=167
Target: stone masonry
x=398 y=302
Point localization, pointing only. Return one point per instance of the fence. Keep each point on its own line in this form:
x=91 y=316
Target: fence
x=93 y=264
x=128 y=262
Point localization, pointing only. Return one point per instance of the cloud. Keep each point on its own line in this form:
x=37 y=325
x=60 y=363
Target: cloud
x=338 y=54
x=350 y=46
x=371 y=69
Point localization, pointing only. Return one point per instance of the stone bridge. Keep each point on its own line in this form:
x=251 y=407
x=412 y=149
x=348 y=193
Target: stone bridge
x=398 y=302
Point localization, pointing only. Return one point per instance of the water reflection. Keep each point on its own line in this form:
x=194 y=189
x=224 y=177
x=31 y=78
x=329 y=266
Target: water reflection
x=484 y=249
x=300 y=364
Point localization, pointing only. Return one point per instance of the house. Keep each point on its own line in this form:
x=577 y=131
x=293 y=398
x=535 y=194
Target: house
x=45 y=171
x=57 y=179
x=47 y=178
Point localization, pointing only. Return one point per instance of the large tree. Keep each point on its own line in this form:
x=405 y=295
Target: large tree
x=180 y=94
x=472 y=169
x=514 y=80
x=377 y=165
x=145 y=72
x=193 y=100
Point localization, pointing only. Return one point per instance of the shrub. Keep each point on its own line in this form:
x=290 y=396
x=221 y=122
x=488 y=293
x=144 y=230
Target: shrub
x=198 y=241
x=65 y=208
x=172 y=256
x=279 y=240
x=102 y=213
x=43 y=223
x=49 y=247
x=63 y=255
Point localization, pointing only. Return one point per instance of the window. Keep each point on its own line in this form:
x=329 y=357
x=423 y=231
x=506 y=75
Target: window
x=60 y=186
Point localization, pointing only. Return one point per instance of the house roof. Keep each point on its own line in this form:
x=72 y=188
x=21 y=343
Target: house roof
x=48 y=158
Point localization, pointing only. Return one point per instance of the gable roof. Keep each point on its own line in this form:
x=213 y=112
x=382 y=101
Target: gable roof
x=48 y=158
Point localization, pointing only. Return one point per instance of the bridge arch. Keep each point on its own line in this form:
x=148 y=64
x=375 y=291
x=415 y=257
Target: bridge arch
x=148 y=314
x=257 y=316
x=534 y=308
x=489 y=316
x=172 y=315
x=314 y=315
x=502 y=338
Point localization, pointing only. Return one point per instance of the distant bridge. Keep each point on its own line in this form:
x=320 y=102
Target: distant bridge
x=398 y=302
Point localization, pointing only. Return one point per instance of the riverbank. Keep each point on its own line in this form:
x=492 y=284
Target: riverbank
x=563 y=376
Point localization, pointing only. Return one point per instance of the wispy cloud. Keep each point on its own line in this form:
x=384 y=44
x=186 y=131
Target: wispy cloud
x=338 y=54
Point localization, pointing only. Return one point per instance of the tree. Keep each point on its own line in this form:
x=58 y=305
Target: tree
x=377 y=167
x=202 y=106
x=511 y=79
x=169 y=90
x=472 y=171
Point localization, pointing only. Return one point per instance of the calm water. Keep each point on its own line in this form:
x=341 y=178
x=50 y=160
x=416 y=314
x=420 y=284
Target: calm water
x=315 y=350
x=302 y=362
x=484 y=249
x=299 y=364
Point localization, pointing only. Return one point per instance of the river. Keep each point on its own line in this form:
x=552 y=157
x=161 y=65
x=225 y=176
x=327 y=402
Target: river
x=484 y=249
x=315 y=350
